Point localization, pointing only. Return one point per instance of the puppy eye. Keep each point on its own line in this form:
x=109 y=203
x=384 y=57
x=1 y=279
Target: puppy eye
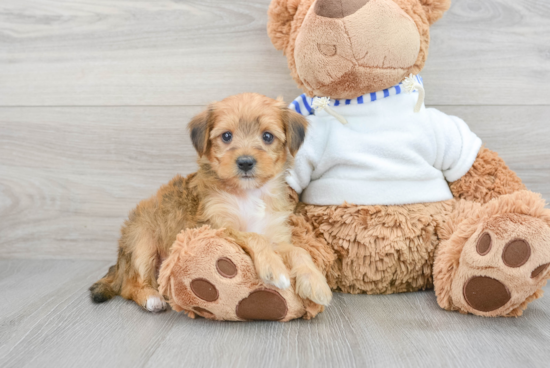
x=227 y=137
x=267 y=137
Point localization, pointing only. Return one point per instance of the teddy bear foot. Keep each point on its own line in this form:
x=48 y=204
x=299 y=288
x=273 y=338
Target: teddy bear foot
x=499 y=275
x=210 y=276
x=503 y=267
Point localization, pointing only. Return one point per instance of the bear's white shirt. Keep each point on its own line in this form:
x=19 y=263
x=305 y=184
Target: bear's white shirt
x=386 y=155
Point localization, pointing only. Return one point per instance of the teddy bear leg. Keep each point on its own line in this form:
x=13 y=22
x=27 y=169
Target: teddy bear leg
x=496 y=258
x=208 y=275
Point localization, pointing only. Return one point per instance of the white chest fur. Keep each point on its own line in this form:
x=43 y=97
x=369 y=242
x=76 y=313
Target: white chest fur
x=252 y=211
x=257 y=211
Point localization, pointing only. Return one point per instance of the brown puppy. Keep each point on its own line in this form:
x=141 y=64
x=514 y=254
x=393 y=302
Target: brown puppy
x=245 y=145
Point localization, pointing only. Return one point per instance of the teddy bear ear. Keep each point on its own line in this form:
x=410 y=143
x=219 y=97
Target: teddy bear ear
x=280 y=14
x=435 y=8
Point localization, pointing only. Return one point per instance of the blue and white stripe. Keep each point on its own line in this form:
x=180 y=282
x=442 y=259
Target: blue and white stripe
x=303 y=103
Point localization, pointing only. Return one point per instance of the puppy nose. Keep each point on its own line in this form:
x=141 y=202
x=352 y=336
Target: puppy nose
x=246 y=163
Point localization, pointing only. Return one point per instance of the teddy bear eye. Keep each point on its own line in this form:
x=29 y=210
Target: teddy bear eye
x=326 y=49
x=227 y=136
x=267 y=137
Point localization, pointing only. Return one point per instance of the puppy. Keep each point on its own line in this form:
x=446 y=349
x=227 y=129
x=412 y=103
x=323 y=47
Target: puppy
x=245 y=145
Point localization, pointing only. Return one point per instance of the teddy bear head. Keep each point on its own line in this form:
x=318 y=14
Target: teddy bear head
x=347 y=48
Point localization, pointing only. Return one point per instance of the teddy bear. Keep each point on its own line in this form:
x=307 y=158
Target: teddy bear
x=390 y=196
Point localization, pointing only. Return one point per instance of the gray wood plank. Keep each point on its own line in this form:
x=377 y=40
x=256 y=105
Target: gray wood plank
x=71 y=175
x=121 y=52
x=490 y=52
x=51 y=322
x=105 y=52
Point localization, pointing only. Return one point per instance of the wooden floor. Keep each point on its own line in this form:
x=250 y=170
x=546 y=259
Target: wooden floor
x=94 y=99
x=48 y=321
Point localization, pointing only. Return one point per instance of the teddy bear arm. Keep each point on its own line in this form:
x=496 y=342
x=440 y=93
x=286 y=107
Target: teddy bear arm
x=488 y=178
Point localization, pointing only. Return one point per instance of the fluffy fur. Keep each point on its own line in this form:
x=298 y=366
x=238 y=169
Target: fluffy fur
x=435 y=9
x=488 y=179
x=380 y=249
x=252 y=205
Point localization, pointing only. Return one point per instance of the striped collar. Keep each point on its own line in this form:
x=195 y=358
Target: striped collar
x=302 y=104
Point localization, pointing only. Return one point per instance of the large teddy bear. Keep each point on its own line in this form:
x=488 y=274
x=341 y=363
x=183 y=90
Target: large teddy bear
x=394 y=197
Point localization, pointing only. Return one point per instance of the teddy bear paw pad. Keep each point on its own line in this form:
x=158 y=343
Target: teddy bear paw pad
x=226 y=268
x=502 y=266
x=204 y=289
x=263 y=304
x=485 y=293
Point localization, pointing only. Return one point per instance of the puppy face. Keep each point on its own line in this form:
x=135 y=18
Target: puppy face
x=247 y=139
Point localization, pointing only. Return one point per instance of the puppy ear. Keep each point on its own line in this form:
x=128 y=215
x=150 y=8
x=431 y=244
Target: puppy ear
x=199 y=128
x=296 y=127
x=435 y=8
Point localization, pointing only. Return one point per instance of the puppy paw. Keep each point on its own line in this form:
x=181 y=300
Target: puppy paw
x=312 y=285
x=155 y=304
x=283 y=283
x=272 y=270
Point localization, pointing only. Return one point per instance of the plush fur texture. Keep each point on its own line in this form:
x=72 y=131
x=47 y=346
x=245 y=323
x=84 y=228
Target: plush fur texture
x=488 y=179
x=251 y=204
x=435 y=9
x=380 y=249
x=388 y=249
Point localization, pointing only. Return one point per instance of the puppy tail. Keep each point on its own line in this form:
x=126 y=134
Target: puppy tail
x=103 y=290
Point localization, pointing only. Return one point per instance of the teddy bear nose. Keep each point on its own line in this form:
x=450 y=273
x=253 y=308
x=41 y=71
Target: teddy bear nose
x=338 y=8
x=246 y=163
